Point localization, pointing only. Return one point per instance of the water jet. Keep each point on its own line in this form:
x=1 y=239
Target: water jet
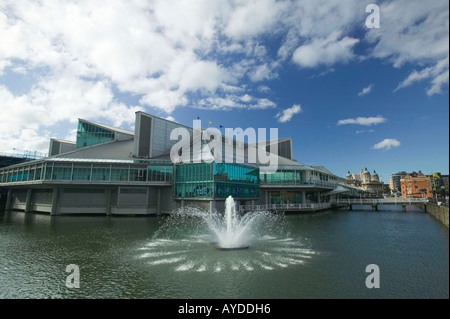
x=232 y=231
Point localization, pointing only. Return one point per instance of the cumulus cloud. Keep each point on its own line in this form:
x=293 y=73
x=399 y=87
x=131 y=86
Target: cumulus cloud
x=233 y=101
x=254 y=17
x=366 y=90
x=418 y=34
x=325 y=51
x=366 y=121
x=387 y=144
x=84 y=56
x=287 y=114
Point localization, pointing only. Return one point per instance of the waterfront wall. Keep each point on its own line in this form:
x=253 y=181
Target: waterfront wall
x=438 y=212
x=126 y=200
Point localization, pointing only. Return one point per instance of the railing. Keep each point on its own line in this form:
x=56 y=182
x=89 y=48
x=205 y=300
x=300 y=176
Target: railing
x=25 y=154
x=299 y=183
x=380 y=201
x=316 y=206
x=285 y=206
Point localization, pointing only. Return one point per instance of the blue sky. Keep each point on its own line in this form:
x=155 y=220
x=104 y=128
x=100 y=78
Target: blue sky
x=350 y=97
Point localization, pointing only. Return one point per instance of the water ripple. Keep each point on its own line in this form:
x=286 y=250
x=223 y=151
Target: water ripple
x=267 y=253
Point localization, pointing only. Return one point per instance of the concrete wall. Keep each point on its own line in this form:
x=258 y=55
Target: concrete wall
x=438 y=212
x=126 y=200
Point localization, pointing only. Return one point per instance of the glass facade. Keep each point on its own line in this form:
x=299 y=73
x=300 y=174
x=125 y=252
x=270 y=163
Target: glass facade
x=285 y=197
x=194 y=180
x=290 y=177
x=216 y=180
x=88 y=134
x=89 y=172
x=160 y=173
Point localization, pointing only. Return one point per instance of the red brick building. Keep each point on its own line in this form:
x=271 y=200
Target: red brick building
x=416 y=185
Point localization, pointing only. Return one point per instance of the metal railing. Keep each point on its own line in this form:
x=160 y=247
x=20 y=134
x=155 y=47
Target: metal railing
x=380 y=201
x=24 y=154
x=299 y=183
x=285 y=206
x=316 y=206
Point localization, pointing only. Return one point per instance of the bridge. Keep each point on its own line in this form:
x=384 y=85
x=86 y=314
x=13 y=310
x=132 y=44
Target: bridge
x=373 y=202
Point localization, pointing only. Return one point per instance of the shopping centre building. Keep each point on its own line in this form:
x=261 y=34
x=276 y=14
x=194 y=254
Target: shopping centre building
x=108 y=170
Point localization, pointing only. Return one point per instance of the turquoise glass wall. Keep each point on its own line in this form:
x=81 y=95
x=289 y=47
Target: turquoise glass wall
x=88 y=134
x=216 y=180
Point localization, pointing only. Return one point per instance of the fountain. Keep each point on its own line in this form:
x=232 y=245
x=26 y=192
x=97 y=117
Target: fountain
x=183 y=239
x=230 y=230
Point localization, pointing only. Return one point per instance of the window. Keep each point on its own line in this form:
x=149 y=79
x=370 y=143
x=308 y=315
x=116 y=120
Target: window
x=88 y=134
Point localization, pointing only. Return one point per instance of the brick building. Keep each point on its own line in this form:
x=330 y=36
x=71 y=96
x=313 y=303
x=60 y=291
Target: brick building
x=415 y=185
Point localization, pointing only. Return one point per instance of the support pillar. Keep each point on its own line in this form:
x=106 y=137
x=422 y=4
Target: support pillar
x=158 y=202
x=318 y=197
x=182 y=203
x=55 y=199
x=303 y=197
x=350 y=207
x=8 y=200
x=108 y=202
x=404 y=208
x=28 y=200
x=374 y=207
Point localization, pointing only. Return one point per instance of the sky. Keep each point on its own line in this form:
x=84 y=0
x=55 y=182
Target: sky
x=352 y=94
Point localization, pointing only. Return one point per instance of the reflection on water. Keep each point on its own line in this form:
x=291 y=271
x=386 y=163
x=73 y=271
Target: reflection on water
x=191 y=254
x=308 y=256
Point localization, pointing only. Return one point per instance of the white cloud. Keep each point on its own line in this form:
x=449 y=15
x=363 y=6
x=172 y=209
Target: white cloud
x=366 y=90
x=287 y=114
x=263 y=89
x=414 y=32
x=84 y=55
x=253 y=17
x=366 y=121
x=170 y=118
x=387 y=144
x=325 y=51
x=233 y=101
x=439 y=75
x=263 y=72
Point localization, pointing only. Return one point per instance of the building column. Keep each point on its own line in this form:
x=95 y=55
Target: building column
x=182 y=203
x=318 y=197
x=303 y=197
x=28 y=200
x=55 y=199
x=267 y=198
x=8 y=200
x=108 y=202
x=158 y=202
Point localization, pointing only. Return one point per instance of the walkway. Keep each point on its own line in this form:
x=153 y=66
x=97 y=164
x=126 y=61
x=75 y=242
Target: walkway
x=374 y=202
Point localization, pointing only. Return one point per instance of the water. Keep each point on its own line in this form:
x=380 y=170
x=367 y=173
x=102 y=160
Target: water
x=295 y=256
x=233 y=231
